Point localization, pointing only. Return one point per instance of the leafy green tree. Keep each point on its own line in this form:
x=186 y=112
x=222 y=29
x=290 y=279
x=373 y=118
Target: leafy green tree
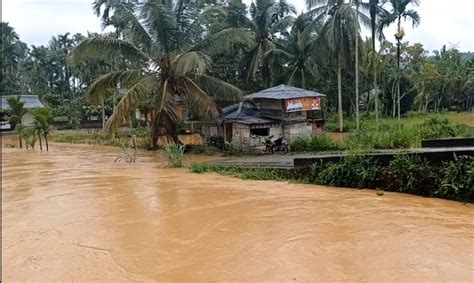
x=16 y=112
x=173 y=60
x=14 y=52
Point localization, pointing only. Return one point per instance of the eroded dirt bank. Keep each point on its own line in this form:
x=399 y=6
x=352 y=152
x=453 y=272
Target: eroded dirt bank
x=74 y=214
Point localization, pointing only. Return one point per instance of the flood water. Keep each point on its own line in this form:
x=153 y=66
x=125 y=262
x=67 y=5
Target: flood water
x=74 y=215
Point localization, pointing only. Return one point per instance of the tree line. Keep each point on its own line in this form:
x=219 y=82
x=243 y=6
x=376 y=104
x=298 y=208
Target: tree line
x=209 y=54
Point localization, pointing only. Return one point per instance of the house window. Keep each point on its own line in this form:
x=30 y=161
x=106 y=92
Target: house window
x=260 y=132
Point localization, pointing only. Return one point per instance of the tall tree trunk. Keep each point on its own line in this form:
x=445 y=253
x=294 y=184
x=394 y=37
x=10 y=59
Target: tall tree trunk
x=103 y=115
x=357 y=67
x=373 y=16
x=376 y=99
x=339 y=94
x=46 y=141
x=41 y=144
x=399 y=72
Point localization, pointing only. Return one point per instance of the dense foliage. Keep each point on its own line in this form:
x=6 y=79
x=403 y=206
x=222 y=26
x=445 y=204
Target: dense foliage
x=159 y=50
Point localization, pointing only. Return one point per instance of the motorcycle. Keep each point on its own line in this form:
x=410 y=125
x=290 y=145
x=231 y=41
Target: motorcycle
x=275 y=145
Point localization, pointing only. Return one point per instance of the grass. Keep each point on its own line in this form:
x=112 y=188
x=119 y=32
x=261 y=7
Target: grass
x=239 y=172
x=411 y=120
x=387 y=134
x=82 y=136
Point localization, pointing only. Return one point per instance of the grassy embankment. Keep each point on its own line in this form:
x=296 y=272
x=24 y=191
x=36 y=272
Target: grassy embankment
x=387 y=134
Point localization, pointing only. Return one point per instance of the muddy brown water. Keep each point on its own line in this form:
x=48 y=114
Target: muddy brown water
x=74 y=215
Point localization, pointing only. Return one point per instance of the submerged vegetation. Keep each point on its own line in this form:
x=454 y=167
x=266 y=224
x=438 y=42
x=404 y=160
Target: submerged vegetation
x=174 y=152
x=405 y=173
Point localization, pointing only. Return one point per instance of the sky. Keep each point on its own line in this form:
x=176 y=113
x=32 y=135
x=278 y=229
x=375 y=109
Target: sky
x=36 y=21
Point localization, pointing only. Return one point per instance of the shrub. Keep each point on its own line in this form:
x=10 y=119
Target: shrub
x=203 y=167
x=315 y=143
x=411 y=174
x=353 y=171
x=175 y=154
x=457 y=181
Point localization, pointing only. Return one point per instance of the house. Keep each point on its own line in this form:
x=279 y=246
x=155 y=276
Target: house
x=281 y=111
x=30 y=102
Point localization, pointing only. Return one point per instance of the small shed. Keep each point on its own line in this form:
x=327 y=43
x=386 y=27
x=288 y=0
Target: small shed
x=283 y=110
x=30 y=102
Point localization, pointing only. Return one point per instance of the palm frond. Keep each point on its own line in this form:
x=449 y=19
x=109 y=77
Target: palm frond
x=106 y=85
x=190 y=63
x=224 y=40
x=107 y=48
x=217 y=89
x=161 y=23
x=129 y=102
x=198 y=100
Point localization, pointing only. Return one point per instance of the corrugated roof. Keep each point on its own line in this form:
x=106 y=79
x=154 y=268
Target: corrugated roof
x=246 y=113
x=31 y=101
x=284 y=92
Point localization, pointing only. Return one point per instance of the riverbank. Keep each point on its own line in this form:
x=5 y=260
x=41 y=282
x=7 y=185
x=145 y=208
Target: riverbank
x=73 y=214
x=403 y=172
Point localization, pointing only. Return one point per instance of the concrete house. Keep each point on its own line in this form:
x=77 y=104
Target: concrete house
x=30 y=102
x=279 y=111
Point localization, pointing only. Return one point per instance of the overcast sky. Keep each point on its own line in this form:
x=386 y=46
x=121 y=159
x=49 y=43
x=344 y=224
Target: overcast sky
x=36 y=21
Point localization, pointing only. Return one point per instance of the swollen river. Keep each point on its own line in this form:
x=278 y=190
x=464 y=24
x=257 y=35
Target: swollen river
x=74 y=215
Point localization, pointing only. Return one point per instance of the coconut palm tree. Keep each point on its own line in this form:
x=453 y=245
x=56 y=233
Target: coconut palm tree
x=298 y=52
x=16 y=112
x=399 y=11
x=340 y=33
x=166 y=58
x=267 y=19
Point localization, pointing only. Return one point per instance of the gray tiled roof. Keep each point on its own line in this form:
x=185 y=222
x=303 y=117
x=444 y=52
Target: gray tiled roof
x=283 y=92
x=31 y=101
x=246 y=113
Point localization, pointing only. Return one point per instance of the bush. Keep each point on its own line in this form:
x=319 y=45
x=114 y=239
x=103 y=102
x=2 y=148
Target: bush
x=353 y=171
x=442 y=128
x=388 y=139
x=412 y=174
x=315 y=143
x=175 y=154
x=457 y=181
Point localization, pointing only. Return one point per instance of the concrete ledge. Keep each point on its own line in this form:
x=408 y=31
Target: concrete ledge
x=451 y=142
x=384 y=158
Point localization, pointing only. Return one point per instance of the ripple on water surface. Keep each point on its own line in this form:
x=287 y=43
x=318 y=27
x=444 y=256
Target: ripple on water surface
x=74 y=214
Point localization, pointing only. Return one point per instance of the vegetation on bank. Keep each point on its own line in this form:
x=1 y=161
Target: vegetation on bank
x=452 y=180
x=387 y=135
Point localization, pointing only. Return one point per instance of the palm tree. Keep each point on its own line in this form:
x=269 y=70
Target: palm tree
x=42 y=119
x=399 y=11
x=374 y=11
x=340 y=32
x=267 y=18
x=298 y=51
x=16 y=112
x=166 y=58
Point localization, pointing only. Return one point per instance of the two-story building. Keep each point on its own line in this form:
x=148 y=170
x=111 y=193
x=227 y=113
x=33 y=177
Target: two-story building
x=279 y=111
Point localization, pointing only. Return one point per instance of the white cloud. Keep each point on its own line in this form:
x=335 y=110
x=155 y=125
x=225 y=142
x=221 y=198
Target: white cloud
x=36 y=21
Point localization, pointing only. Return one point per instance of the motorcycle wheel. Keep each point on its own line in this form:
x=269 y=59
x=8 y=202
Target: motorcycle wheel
x=285 y=149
